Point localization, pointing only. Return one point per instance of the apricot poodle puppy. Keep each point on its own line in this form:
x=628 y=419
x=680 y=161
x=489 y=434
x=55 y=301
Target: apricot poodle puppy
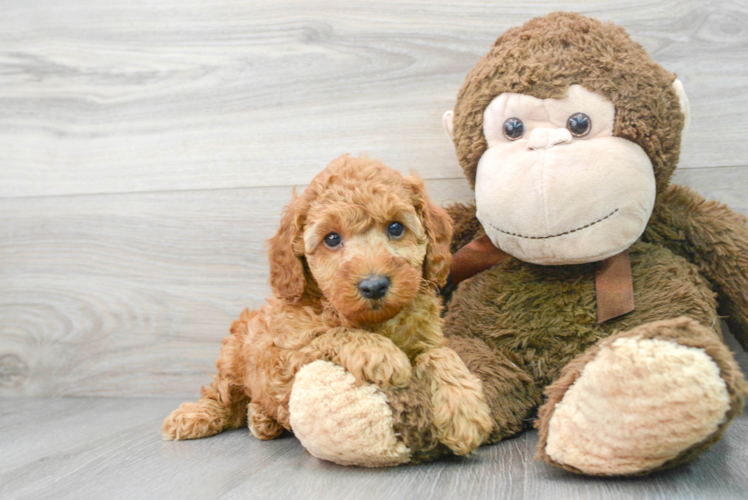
x=354 y=269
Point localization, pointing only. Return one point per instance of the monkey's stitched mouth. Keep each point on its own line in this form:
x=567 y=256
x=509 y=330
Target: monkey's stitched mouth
x=556 y=235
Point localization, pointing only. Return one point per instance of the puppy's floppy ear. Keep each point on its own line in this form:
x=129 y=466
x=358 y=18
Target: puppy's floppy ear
x=438 y=226
x=286 y=253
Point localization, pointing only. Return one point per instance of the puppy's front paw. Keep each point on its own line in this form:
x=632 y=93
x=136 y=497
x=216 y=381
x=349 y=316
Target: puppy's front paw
x=461 y=415
x=463 y=419
x=378 y=365
x=395 y=369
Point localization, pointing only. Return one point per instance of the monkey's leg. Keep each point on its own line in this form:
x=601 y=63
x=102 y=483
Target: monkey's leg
x=639 y=401
x=222 y=406
x=339 y=419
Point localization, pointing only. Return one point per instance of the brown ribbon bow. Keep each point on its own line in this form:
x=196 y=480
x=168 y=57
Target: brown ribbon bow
x=614 y=286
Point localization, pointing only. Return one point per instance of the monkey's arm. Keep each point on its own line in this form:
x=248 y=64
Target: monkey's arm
x=466 y=225
x=713 y=237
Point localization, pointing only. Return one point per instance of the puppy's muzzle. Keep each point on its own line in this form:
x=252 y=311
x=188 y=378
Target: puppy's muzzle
x=374 y=287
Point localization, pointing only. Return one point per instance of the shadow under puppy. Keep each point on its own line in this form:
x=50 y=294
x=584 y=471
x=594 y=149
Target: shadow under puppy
x=354 y=269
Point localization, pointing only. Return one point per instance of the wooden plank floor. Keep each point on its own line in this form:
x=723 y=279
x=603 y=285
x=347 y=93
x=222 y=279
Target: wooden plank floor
x=79 y=448
x=95 y=448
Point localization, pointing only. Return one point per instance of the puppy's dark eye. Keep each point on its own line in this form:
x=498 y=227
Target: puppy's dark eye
x=579 y=124
x=332 y=240
x=395 y=229
x=513 y=128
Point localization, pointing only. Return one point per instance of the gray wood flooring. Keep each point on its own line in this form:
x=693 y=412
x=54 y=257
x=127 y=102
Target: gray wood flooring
x=146 y=150
x=108 y=448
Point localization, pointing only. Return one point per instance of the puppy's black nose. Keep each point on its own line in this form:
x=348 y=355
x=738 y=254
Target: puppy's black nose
x=374 y=287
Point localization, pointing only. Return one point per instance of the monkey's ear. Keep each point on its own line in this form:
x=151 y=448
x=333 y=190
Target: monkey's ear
x=449 y=124
x=685 y=107
x=286 y=263
x=438 y=226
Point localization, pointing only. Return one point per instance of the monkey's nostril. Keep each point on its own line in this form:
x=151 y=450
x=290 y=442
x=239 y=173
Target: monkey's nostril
x=374 y=287
x=545 y=138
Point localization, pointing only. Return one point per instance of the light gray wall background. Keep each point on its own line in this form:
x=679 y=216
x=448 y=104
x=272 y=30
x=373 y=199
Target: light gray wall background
x=147 y=148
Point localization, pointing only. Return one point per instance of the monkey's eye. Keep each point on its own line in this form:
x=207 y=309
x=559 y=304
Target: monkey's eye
x=332 y=240
x=395 y=229
x=513 y=128
x=579 y=124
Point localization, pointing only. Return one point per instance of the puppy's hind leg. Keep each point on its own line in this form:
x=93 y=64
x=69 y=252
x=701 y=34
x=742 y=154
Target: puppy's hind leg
x=261 y=425
x=222 y=406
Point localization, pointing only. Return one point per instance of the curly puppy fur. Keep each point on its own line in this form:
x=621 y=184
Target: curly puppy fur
x=318 y=311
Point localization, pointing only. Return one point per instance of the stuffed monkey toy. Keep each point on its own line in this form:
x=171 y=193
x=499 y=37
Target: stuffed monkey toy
x=592 y=310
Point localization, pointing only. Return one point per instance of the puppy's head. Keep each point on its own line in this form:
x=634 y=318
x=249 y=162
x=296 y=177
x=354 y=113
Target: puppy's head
x=365 y=236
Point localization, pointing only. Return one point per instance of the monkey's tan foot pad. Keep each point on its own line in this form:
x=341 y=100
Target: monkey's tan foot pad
x=339 y=420
x=637 y=404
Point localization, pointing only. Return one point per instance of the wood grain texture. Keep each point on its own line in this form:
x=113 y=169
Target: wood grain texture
x=82 y=448
x=105 y=96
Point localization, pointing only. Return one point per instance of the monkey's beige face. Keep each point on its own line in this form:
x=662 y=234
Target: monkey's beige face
x=366 y=261
x=555 y=186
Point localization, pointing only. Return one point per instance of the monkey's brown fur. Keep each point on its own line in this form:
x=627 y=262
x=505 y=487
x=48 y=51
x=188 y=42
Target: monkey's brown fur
x=526 y=329
x=318 y=313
